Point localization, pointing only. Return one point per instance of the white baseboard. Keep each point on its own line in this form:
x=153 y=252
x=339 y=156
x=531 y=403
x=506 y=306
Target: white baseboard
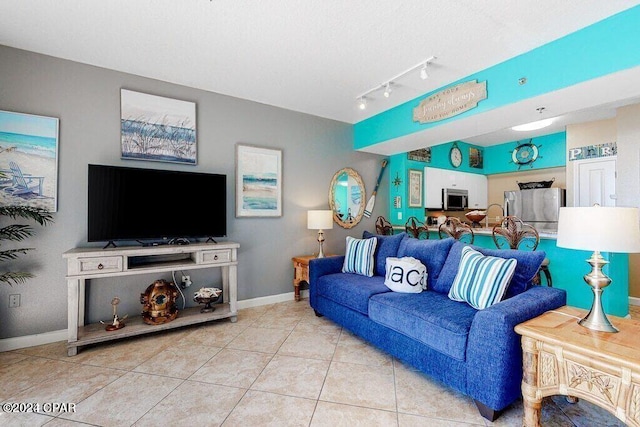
x=15 y=343
x=271 y=299
x=32 y=340
x=634 y=301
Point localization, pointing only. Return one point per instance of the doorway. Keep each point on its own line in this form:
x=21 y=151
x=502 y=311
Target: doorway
x=595 y=182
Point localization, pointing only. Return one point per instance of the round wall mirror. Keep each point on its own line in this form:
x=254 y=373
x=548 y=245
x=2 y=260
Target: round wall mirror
x=346 y=197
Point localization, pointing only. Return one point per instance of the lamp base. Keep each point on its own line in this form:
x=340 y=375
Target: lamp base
x=597 y=319
x=320 y=243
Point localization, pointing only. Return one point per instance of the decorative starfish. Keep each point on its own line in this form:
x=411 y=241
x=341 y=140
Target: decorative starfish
x=397 y=181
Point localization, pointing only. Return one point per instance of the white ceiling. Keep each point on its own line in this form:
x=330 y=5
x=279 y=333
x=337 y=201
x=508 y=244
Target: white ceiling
x=312 y=56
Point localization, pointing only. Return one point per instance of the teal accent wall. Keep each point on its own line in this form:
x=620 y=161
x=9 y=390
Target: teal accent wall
x=496 y=159
x=551 y=153
x=399 y=166
x=440 y=157
x=568 y=266
x=603 y=48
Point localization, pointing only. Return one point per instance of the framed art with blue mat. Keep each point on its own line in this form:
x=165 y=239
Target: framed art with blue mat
x=258 y=181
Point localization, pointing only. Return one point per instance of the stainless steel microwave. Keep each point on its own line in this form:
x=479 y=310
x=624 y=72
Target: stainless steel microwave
x=454 y=199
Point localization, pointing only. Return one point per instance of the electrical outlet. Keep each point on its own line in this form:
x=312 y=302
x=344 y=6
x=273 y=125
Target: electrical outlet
x=186 y=281
x=14 y=300
x=399 y=215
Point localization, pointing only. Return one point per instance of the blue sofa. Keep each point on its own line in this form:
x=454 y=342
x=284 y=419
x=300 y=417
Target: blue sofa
x=473 y=351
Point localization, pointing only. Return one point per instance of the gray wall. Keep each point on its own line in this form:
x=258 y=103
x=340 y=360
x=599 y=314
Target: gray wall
x=86 y=99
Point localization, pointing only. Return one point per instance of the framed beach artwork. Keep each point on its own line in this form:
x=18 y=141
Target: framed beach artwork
x=415 y=188
x=157 y=128
x=258 y=181
x=28 y=160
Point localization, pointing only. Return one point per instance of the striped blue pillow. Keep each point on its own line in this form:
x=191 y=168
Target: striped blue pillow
x=481 y=280
x=358 y=258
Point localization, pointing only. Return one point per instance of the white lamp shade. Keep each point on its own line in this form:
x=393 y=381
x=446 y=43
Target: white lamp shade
x=320 y=220
x=599 y=228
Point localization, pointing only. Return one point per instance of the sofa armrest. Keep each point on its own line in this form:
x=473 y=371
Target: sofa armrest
x=494 y=352
x=319 y=267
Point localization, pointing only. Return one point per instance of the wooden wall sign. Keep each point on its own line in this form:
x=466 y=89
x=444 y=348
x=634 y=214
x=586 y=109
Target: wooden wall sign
x=421 y=155
x=593 y=151
x=450 y=102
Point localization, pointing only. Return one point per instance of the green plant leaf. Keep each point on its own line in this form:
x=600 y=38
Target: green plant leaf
x=15 y=232
x=14 y=278
x=13 y=253
x=39 y=215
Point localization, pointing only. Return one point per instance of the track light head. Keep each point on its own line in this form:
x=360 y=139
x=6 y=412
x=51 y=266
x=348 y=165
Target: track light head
x=423 y=72
x=362 y=103
x=387 y=90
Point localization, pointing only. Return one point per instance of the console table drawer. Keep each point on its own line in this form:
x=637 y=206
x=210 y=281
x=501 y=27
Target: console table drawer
x=98 y=265
x=215 y=256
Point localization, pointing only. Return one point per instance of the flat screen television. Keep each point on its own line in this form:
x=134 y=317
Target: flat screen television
x=154 y=206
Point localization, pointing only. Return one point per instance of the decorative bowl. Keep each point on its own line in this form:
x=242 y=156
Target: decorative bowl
x=476 y=216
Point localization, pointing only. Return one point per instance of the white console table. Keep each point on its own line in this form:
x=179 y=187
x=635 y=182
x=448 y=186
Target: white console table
x=91 y=263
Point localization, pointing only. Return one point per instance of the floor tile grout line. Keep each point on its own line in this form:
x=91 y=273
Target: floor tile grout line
x=30 y=357
x=257 y=376
x=395 y=388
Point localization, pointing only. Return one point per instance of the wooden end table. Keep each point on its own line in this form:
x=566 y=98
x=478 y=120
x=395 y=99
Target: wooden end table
x=300 y=272
x=562 y=357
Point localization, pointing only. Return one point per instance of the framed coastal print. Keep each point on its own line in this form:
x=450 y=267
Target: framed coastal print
x=415 y=188
x=258 y=181
x=28 y=160
x=157 y=128
x=475 y=158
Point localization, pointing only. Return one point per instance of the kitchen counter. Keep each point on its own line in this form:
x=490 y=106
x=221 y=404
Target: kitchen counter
x=487 y=231
x=483 y=231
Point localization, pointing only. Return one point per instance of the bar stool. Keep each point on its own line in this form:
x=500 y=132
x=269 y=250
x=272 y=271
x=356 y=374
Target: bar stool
x=415 y=228
x=383 y=226
x=457 y=229
x=516 y=234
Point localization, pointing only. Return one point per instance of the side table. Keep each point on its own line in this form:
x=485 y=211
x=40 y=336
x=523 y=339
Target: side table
x=300 y=272
x=562 y=357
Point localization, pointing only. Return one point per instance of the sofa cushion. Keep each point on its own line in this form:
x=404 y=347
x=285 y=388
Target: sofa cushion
x=358 y=257
x=529 y=263
x=481 y=280
x=428 y=317
x=405 y=275
x=350 y=290
x=432 y=253
x=387 y=247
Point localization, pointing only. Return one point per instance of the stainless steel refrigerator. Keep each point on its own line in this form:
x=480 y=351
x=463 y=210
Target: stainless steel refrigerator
x=539 y=207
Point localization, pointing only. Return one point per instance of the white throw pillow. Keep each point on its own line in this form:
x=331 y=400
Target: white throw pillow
x=358 y=257
x=405 y=274
x=481 y=280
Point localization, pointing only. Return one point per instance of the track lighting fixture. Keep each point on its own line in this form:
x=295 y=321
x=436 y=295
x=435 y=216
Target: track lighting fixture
x=423 y=72
x=362 y=98
x=387 y=90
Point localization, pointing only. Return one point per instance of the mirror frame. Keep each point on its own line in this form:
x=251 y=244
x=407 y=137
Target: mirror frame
x=351 y=173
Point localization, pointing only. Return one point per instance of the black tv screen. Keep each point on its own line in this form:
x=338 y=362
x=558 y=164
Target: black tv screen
x=148 y=204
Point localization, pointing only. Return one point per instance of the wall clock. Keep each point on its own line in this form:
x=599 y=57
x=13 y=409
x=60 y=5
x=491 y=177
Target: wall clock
x=455 y=156
x=524 y=154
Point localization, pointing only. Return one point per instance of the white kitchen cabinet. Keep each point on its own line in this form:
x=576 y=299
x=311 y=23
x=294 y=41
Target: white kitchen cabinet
x=478 y=191
x=436 y=179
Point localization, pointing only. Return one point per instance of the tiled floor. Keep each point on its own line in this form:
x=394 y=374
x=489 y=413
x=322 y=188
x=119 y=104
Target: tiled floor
x=279 y=365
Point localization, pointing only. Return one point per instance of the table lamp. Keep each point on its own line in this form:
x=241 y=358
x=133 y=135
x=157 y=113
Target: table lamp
x=320 y=220
x=599 y=229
